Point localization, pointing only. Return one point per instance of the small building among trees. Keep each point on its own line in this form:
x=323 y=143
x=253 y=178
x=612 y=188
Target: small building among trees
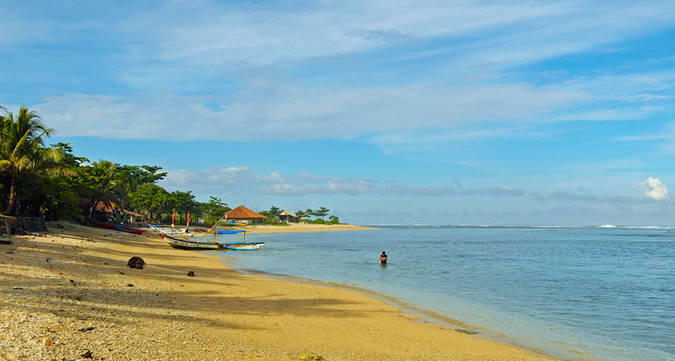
x=287 y=216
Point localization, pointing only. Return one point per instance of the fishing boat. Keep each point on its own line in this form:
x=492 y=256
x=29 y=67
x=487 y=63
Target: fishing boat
x=117 y=227
x=173 y=232
x=188 y=243
x=242 y=246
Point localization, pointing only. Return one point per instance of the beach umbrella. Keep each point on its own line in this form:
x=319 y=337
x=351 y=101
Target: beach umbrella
x=188 y=224
x=173 y=218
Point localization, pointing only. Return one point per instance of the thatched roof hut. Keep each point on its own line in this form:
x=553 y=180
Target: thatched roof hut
x=243 y=213
x=288 y=216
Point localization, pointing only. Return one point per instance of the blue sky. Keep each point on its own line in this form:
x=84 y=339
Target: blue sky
x=452 y=112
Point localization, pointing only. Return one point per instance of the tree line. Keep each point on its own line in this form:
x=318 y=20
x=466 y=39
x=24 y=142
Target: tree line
x=304 y=216
x=52 y=182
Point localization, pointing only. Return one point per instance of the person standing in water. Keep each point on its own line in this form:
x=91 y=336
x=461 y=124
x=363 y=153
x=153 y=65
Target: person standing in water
x=383 y=258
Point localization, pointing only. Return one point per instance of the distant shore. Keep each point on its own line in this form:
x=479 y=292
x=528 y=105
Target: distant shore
x=70 y=294
x=297 y=227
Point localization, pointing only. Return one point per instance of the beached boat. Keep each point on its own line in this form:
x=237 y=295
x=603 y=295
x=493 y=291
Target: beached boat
x=117 y=227
x=242 y=246
x=187 y=243
x=173 y=232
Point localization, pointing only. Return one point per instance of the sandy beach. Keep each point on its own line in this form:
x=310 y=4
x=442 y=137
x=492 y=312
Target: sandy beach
x=70 y=295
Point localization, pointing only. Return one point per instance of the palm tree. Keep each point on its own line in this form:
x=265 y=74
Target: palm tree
x=22 y=151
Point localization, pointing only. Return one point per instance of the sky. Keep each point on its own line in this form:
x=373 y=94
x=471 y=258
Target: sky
x=386 y=112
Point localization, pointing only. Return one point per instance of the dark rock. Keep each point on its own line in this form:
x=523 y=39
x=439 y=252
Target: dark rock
x=191 y=274
x=130 y=285
x=136 y=262
x=86 y=329
x=87 y=354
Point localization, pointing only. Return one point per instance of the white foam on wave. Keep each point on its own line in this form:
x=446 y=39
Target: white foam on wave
x=607 y=226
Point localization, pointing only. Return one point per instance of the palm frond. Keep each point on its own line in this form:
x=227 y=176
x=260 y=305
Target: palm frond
x=5 y=164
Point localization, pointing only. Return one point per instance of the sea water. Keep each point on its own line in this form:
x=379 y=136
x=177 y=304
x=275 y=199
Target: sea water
x=576 y=293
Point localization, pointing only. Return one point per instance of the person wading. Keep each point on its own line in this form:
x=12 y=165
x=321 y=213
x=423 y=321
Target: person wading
x=383 y=258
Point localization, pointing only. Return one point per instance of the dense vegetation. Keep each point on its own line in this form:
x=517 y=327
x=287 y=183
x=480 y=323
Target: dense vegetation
x=53 y=183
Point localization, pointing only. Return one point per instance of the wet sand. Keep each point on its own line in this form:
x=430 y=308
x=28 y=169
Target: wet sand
x=74 y=289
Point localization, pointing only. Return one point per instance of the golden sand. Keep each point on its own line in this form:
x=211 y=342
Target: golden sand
x=70 y=295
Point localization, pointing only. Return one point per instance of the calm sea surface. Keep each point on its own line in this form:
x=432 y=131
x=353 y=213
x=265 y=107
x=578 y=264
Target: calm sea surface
x=576 y=293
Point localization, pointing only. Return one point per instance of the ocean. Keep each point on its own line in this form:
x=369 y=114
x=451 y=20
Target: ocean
x=586 y=293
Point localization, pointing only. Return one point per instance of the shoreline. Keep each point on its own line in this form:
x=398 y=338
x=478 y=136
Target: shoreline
x=73 y=289
x=423 y=315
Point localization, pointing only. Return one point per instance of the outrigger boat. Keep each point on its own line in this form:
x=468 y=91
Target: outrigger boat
x=117 y=227
x=243 y=246
x=181 y=241
x=187 y=243
x=174 y=232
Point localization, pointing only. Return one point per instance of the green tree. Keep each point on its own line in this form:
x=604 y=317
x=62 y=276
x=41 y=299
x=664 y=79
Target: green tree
x=334 y=219
x=214 y=209
x=69 y=159
x=100 y=183
x=322 y=212
x=185 y=202
x=152 y=200
x=274 y=211
x=22 y=151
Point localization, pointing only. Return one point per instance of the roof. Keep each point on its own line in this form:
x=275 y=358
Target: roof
x=286 y=212
x=102 y=206
x=242 y=212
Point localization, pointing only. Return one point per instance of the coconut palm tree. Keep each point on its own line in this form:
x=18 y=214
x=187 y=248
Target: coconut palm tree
x=22 y=150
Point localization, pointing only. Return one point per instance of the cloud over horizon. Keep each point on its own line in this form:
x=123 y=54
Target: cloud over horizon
x=244 y=179
x=656 y=189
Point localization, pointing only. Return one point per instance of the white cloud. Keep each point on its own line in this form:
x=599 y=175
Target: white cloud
x=289 y=111
x=243 y=179
x=500 y=32
x=165 y=49
x=656 y=189
x=257 y=35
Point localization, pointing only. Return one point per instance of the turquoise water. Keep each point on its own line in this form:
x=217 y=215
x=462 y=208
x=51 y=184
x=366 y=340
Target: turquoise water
x=575 y=293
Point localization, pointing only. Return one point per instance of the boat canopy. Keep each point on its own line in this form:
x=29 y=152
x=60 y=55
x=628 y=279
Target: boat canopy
x=231 y=232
